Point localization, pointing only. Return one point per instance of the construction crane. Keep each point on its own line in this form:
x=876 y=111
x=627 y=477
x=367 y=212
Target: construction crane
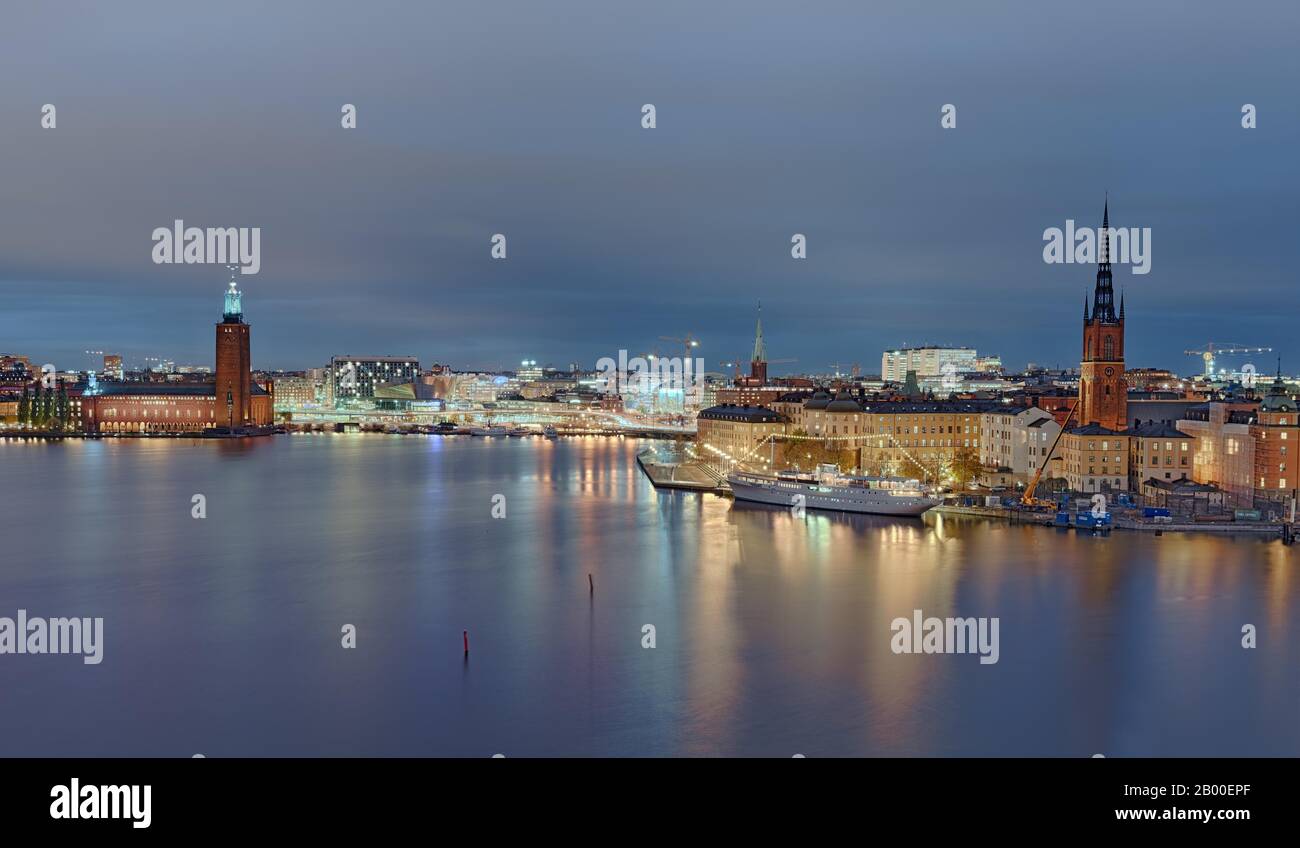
x=687 y=343
x=1214 y=349
x=1028 y=499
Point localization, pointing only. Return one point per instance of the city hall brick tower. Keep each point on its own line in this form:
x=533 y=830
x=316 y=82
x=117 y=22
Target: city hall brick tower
x=1103 y=394
x=234 y=366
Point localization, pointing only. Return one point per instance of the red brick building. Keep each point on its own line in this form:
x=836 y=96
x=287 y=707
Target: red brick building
x=232 y=401
x=1276 y=434
x=1103 y=391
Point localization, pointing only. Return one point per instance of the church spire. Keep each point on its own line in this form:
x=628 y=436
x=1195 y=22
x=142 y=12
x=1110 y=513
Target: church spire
x=1103 y=297
x=760 y=349
x=1105 y=232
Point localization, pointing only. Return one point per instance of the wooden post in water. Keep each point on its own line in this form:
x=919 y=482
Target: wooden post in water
x=591 y=584
x=465 y=635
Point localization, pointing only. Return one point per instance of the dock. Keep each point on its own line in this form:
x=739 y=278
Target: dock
x=685 y=476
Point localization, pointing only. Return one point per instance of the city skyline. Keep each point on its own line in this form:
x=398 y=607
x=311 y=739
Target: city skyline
x=377 y=239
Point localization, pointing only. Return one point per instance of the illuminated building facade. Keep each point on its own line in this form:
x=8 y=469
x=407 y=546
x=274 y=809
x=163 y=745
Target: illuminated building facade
x=1223 y=452
x=357 y=377
x=930 y=362
x=1276 y=434
x=233 y=400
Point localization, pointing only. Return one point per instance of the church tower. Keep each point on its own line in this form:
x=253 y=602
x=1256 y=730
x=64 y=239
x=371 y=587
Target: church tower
x=758 y=361
x=1103 y=394
x=234 y=387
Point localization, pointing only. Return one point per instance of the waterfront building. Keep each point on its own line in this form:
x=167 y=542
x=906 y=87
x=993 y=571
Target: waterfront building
x=408 y=397
x=920 y=438
x=1184 y=498
x=1223 y=450
x=294 y=392
x=733 y=432
x=232 y=400
x=1276 y=434
x=1095 y=459
x=1016 y=441
x=1158 y=451
x=357 y=377
x=917 y=438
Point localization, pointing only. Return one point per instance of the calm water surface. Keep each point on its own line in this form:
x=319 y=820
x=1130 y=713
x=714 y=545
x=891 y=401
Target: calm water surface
x=222 y=635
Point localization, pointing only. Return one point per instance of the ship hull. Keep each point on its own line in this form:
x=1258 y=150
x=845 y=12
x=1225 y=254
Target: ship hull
x=872 y=502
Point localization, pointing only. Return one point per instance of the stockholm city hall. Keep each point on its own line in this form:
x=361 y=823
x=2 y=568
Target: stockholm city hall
x=232 y=404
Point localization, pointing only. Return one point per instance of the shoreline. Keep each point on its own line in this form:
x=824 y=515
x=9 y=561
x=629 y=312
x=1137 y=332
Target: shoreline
x=663 y=477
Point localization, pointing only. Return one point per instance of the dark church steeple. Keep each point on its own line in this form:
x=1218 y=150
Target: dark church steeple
x=1103 y=294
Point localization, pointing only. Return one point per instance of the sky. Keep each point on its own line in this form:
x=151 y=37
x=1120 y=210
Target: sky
x=524 y=119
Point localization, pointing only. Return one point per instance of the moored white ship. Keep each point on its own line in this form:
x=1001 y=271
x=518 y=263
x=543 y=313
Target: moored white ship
x=830 y=489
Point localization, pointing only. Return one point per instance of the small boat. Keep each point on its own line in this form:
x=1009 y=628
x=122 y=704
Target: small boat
x=444 y=428
x=489 y=430
x=549 y=432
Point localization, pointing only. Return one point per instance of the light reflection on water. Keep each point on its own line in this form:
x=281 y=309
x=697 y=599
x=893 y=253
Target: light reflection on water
x=222 y=635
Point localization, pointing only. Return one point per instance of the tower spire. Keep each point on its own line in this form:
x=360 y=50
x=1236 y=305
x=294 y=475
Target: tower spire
x=1105 y=232
x=1103 y=297
x=233 y=313
x=760 y=349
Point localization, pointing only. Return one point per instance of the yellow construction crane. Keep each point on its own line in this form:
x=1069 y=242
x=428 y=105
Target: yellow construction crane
x=1028 y=499
x=1214 y=349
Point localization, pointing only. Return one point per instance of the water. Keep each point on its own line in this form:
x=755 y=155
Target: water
x=222 y=635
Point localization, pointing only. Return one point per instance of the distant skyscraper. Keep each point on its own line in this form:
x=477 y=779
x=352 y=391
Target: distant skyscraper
x=927 y=362
x=112 y=367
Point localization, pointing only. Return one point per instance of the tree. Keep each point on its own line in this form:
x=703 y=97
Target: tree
x=24 y=408
x=913 y=470
x=806 y=453
x=965 y=466
x=47 y=409
x=63 y=407
x=38 y=407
